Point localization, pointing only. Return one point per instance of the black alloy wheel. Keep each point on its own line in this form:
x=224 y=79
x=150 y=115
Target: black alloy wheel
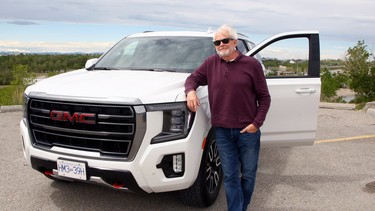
x=206 y=187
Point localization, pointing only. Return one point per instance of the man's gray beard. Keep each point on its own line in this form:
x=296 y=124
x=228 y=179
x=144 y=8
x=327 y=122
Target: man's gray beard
x=225 y=52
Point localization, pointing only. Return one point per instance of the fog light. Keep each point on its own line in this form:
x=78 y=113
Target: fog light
x=173 y=165
x=177 y=163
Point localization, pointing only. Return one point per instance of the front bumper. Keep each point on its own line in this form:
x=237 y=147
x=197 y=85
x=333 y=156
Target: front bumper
x=120 y=180
x=139 y=175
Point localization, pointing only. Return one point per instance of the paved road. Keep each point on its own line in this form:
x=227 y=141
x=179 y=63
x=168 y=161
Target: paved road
x=334 y=174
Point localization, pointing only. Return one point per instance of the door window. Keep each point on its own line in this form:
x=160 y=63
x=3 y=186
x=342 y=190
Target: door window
x=286 y=58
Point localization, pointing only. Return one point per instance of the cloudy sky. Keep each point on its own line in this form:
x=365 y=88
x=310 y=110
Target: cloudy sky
x=93 y=26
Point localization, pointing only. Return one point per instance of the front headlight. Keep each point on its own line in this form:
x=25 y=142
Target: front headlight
x=24 y=107
x=177 y=120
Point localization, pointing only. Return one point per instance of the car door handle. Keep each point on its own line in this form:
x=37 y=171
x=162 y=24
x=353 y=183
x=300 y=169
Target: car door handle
x=305 y=91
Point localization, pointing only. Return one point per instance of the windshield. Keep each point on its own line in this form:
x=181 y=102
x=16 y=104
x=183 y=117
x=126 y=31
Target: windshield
x=177 y=54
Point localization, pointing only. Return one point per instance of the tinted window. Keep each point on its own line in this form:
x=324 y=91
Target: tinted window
x=241 y=46
x=180 y=54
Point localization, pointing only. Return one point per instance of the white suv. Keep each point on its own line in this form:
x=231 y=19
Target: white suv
x=123 y=121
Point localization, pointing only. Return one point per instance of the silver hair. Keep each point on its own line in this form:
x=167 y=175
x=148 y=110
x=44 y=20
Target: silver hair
x=227 y=29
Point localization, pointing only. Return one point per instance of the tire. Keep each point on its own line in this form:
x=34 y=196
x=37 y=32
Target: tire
x=206 y=187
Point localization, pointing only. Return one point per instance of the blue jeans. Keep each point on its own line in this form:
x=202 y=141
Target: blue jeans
x=239 y=157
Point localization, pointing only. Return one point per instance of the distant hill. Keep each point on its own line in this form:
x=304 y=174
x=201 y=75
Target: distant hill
x=6 y=53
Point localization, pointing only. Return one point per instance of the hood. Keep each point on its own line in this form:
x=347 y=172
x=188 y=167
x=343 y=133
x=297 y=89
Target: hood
x=112 y=86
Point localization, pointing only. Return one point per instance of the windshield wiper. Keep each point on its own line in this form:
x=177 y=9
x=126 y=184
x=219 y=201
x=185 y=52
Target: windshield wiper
x=105 y=68
x=165 y=70
x=154 y=70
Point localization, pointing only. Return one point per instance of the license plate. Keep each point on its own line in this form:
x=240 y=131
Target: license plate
x=71 y=169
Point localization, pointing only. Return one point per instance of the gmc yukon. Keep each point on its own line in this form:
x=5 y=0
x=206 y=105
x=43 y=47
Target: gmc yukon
x=123 y=121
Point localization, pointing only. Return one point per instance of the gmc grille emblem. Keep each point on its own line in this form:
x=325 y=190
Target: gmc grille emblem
x=77 y=117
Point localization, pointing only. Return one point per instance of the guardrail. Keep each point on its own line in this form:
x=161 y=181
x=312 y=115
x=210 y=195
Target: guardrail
x=11 y=108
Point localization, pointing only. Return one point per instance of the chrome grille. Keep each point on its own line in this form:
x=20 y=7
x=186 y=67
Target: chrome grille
x=111 y=134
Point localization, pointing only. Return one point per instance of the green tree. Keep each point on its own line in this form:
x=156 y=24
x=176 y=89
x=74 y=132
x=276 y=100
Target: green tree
x=330 y=85
x=22 y=78
x=5 y=77
x=359 y=72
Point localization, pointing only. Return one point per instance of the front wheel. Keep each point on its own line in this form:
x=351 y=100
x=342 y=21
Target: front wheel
x=206 y=187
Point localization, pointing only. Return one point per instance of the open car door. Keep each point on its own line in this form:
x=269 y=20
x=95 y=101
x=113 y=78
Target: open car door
x=292 y=66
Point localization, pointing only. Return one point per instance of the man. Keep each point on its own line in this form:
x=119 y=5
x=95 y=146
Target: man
x=239 y=101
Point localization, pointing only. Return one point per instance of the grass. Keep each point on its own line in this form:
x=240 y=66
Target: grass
x=11 y=95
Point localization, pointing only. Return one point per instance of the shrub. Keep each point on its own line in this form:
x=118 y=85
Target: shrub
x=11 y=95
x=360 y=73
x=330 y=85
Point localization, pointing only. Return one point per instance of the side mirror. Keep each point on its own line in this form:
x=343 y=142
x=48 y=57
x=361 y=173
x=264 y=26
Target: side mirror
x=90 y=63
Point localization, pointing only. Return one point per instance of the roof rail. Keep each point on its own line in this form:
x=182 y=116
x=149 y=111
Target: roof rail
x=242 y=35
x=209 y=30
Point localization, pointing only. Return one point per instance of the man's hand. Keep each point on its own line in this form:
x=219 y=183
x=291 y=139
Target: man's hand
x=249 y=129
x=192 y=101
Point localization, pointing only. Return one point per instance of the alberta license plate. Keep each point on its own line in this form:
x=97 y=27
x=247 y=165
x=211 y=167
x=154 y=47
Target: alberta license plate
x=71 y=169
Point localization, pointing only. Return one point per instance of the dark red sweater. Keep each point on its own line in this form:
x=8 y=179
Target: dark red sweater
x=238 y=92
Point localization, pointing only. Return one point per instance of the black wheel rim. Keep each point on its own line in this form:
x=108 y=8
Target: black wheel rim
x=213 y=168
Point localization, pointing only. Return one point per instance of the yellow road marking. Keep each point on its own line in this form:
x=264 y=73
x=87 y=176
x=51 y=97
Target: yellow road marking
x=344 y=139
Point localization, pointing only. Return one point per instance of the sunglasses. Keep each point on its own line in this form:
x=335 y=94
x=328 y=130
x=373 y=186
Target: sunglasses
x=224 y=41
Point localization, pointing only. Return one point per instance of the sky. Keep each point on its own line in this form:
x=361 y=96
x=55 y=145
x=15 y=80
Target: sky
x=94 y=26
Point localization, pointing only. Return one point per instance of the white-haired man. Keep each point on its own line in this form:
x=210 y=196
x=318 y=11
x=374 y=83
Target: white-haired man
x=239 y=102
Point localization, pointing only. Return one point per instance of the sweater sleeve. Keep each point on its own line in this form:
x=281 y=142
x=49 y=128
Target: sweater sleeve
x=262 y=96
x=197 y=78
